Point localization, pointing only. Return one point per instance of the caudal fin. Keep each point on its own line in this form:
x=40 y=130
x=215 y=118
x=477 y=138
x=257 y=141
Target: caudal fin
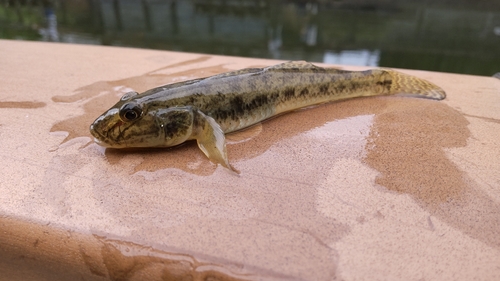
x=410 y=85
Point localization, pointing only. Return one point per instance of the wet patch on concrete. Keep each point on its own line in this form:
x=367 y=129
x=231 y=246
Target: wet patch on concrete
x=22 y=104
x=407 y=145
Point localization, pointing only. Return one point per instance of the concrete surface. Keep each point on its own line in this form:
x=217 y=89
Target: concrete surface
x=387 y=188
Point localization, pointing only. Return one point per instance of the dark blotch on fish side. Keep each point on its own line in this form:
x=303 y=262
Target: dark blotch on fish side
x=304 y=92
x=323 y=89
x=385 y=83
x=340 y=87
x=238 y=105
x=289 y=93
x=258 y=101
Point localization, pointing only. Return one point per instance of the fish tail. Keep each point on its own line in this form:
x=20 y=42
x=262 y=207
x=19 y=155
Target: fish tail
x=410 y=85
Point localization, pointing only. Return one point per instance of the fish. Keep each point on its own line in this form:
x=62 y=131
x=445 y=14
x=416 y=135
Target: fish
x=206 y=109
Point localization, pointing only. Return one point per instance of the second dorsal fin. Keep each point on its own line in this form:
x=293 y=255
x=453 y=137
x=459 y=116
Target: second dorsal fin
x=294 y=65
x=302 y=66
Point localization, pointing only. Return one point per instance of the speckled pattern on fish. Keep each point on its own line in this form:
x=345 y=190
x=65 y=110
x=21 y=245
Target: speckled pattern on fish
x=204 y=109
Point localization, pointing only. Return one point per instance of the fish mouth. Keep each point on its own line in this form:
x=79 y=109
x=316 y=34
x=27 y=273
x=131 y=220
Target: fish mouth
x=102 y=139
x=99 y=138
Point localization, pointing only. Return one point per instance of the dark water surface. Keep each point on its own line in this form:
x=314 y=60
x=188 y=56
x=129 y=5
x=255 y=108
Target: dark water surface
x=461 y=36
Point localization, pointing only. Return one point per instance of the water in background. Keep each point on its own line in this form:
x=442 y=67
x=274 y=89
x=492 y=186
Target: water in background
x=461 y=36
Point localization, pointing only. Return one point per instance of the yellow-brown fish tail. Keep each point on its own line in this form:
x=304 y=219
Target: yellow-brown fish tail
x=407 y=84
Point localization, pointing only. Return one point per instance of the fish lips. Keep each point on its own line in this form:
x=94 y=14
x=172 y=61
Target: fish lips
x=97 y=130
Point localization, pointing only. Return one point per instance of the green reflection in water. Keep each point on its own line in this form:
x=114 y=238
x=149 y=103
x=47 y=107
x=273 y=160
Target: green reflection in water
x=461 y=36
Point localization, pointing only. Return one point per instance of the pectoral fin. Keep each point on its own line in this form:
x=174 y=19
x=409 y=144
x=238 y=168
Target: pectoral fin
x=211 y=139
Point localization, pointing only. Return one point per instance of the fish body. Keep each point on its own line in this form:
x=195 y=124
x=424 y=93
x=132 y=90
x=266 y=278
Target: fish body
x=207 y=108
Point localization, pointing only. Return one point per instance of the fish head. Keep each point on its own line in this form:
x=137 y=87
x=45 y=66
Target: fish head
x=126 y=124
x=132 y=123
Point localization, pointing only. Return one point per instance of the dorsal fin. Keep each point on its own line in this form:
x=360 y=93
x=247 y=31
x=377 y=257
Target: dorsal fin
x=234 y=73
x=294 y=65
x=302 y=66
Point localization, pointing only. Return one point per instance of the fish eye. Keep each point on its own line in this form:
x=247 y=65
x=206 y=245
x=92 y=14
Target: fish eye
x=130 y=112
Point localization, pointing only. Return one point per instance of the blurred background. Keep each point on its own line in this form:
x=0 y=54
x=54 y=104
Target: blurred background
x=460 y=36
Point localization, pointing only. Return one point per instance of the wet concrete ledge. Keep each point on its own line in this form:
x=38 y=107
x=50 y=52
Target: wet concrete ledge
x=367 y=189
